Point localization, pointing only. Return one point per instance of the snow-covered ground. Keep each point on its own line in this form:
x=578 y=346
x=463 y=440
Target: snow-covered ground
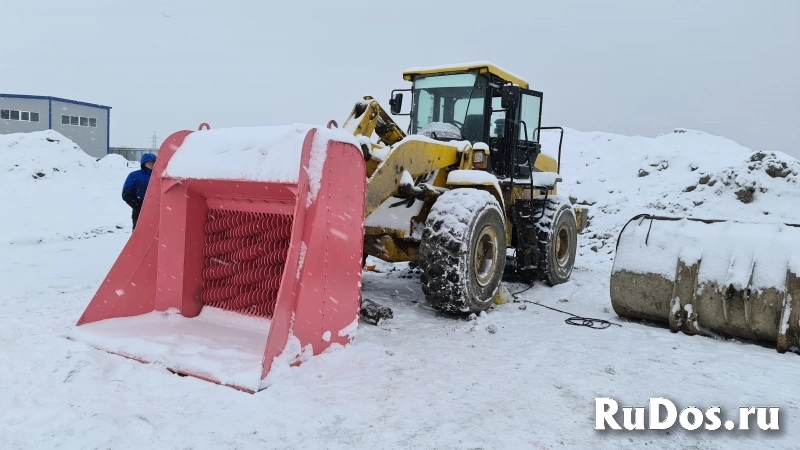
x=419 y=380
x=54 y=191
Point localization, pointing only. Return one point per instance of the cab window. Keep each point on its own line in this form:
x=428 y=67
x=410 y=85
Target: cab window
x=530 y=109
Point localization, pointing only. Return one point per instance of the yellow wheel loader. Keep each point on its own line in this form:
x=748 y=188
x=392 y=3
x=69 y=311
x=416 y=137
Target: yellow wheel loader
x=466 y=183
x=275 y=233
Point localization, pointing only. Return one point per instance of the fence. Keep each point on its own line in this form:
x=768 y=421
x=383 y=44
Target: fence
x=132 y=154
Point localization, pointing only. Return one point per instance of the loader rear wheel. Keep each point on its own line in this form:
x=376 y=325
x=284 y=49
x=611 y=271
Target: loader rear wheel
x=462 y=252
x=557 y=232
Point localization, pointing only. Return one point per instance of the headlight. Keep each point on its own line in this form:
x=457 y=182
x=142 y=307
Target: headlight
x=478 y=157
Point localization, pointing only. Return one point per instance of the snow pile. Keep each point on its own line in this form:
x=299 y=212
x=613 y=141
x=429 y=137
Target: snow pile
x=115 y=161
x=761 y=176
x=685 y=174
x=49 y=155
x=54 y=190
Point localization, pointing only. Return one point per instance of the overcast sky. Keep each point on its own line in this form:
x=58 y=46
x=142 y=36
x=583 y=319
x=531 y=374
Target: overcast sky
x=727 y=67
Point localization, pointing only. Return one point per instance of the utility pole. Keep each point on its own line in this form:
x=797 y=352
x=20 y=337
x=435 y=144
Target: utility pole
x=155 y=140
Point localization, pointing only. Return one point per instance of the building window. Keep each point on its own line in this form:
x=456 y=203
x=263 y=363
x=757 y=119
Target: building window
x=11 y=114
x=74 y=120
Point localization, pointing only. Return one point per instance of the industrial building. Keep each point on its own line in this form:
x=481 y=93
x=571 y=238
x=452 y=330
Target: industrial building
x=86 y=124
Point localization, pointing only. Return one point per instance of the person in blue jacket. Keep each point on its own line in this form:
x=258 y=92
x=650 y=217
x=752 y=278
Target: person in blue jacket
x=136 y=186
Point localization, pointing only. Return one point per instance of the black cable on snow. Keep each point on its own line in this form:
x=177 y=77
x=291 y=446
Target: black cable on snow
x=596 y=324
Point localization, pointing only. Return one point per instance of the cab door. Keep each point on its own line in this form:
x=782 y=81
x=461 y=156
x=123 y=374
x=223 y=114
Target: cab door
x=530 y=116
x=524 y=108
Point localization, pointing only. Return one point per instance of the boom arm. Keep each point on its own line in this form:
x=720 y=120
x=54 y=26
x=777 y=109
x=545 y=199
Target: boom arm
x=414 y=155
x=367 y=117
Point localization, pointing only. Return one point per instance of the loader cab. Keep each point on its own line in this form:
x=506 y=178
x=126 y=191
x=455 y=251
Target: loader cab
x=441 y=102
x=481 y=103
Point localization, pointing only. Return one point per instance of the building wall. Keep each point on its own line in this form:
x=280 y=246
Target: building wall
x=23 y=105
x=88 y=126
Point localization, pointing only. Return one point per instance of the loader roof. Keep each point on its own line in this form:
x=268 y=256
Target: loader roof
x=482 y=66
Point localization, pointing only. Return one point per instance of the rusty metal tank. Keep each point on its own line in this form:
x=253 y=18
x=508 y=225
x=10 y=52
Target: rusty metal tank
x=711 y=277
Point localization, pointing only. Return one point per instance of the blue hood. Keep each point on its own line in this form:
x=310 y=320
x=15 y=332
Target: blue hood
x=147 y=157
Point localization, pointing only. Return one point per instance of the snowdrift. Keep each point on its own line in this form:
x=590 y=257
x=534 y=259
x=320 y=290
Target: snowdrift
x=684 y=173
x=53 y=190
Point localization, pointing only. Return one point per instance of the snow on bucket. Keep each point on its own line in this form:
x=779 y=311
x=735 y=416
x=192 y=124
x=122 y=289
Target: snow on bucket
x=711 y=277
x=248 y=248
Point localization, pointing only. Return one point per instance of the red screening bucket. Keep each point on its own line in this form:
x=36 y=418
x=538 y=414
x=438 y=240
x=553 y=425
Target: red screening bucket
x=247 y=253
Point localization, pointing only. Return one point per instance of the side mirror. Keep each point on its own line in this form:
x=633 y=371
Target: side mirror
x=509 y=98
x=396 y=103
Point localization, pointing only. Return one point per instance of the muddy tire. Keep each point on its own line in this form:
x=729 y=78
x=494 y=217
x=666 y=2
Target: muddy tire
x=557 y=233
x=462 y=252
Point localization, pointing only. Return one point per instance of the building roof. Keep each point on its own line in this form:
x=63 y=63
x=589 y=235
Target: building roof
x=64 y=100
x=482 y=66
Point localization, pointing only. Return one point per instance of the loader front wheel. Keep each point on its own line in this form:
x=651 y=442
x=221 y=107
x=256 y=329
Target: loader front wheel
x=557 y=232
x=462 y=252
